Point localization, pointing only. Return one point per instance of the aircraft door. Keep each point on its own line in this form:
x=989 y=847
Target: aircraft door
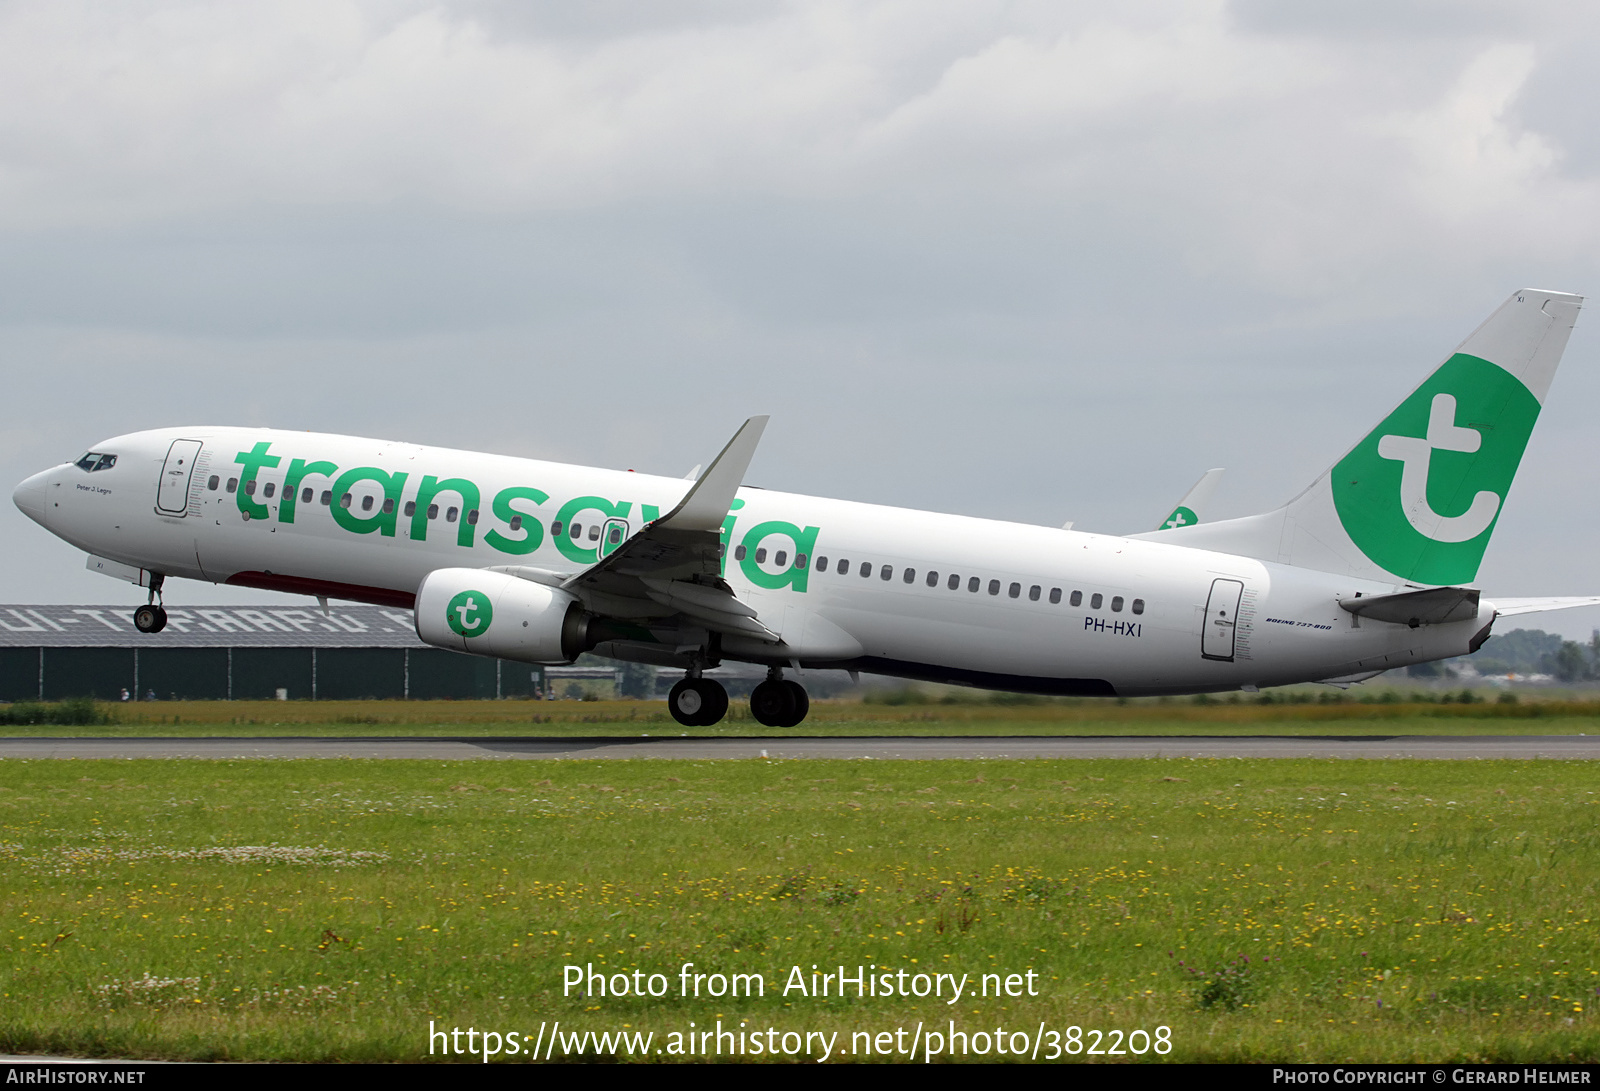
x=1221 y=624
x=172 y=496
x=612 y=537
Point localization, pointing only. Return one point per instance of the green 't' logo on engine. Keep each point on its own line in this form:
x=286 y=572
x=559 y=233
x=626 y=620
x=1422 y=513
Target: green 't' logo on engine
x=1420 y=495
x=469 y=614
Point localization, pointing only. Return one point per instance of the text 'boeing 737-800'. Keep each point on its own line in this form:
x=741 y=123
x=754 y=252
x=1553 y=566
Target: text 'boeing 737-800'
x=1365 y=570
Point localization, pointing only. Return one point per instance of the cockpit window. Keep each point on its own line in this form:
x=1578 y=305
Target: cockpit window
x=95 y=460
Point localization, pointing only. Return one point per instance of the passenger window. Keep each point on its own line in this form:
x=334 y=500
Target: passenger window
x=933 y=579
x=366 y=503
x=761 y=555
x=886 y=572
x=866 y=568
x=269 y=490
x=1077 y=598
x=213 y=483
x=594 y=530
x=844 y=567
x=781 y=559
x=410 y=508
x=994 y=587
x=822 y=564
x=973 y=584
x=1116 y=604
x=307 y=494
x=615 y=537
x=451 y=513
x=800 y=560
x=1033 y=593
x=738 y=553
x=955 y=582
x=1014 y=590
x=472 y=516
x=327 y=497
x=344 y=501
x=1055 y=596
x=233 y=483
x=250 y=487
x=555 y=528
x=516 y=522
x=1138 y=606
x=910 y=575
x=1096 y=600
x=433 y=511
x=388 y=507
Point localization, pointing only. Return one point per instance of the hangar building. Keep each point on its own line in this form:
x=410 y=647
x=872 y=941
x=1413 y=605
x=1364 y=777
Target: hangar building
x=241 y=653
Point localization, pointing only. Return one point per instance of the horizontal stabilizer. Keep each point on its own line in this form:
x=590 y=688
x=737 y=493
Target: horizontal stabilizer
x=1512 y=607
x=1435 y=606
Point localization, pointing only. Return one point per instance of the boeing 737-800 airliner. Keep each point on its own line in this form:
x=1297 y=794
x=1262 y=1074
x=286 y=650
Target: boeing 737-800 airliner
x=536 y=561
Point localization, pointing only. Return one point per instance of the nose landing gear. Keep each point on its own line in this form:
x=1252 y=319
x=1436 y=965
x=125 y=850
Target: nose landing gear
x=779 y=702
x=152 y=616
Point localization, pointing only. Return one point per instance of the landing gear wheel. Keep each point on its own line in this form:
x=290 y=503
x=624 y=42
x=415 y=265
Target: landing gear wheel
x=716 y=702
x=779 y=703
x=697 y=702
x=802 y=702
x=150 y=619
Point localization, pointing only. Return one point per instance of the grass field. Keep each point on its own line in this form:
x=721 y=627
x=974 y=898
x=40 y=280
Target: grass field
x=1389 y=911
x=1249 y=716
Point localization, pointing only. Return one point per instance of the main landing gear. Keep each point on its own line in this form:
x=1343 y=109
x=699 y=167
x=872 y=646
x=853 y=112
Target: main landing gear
x=779 y=702
x=700 y=702
x=697 y=702
x=152 y=616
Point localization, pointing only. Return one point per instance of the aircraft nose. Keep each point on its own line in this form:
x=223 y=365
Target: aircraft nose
x=30 y=496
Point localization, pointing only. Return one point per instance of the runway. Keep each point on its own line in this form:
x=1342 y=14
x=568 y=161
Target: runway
x=910 y=748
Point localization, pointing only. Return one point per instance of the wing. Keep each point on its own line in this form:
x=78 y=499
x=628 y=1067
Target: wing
x=673 y=566
x=1191 y=509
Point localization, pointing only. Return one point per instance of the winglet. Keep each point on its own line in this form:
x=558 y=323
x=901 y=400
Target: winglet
x=708 y=501
x=1194 y=503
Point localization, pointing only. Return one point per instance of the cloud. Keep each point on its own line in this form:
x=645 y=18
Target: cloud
x=1030 y=229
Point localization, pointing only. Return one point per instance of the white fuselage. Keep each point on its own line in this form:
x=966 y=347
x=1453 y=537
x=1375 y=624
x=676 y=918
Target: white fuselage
x=1054 y=611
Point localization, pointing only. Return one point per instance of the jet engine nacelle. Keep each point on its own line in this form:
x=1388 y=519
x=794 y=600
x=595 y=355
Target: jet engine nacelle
x=491 y=613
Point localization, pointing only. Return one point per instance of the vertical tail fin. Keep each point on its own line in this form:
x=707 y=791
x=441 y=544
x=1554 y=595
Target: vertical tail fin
x=1416 y=500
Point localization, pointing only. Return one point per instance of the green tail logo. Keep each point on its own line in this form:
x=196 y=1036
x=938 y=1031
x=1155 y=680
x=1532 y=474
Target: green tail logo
x=1421 y=494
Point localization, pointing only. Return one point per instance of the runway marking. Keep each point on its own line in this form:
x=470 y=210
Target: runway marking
x=909 y=748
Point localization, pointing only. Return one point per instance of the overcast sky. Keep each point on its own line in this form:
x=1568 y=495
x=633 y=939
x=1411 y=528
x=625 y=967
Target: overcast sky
x=1027 y=261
